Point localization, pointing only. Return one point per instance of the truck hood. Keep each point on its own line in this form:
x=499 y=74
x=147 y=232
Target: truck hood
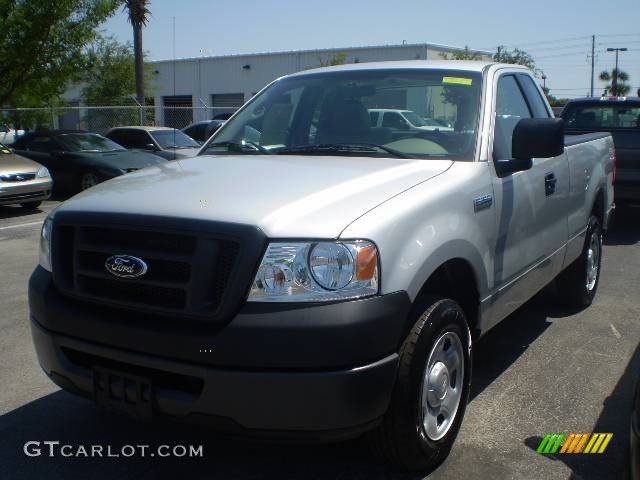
x=285 y=196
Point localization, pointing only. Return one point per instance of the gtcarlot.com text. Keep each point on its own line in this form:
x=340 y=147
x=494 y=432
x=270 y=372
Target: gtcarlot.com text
x=53 y=448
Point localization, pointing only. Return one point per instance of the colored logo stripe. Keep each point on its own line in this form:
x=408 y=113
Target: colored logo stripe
x=551 y=442
x=574 y=442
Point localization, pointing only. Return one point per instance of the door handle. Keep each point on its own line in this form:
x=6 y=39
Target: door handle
x=550 y=181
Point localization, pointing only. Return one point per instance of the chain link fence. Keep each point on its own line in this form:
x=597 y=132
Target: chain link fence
x=100 y=119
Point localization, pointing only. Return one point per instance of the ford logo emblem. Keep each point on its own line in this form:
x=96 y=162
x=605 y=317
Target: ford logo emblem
x=125 y=266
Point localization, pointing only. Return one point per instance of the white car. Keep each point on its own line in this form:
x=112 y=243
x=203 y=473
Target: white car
x=405 y=120
x=9 y=135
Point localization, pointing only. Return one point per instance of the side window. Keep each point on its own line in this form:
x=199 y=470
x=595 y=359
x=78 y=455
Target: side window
x=139 y=138
x=374 y=118
x=118 y=137
x=533 y=96
x=511 y=107
x=393 y=120
x=42 y=144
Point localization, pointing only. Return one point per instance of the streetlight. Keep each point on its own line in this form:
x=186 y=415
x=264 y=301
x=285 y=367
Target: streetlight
x=544 y=81
x=614 y=81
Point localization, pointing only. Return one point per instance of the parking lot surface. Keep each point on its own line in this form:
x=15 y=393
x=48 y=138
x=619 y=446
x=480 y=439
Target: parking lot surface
x=545 y=369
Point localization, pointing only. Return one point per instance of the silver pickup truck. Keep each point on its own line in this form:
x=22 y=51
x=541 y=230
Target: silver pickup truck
x=314 y=276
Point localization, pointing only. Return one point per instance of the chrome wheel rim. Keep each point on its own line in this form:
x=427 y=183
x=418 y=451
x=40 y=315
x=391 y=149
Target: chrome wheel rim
x=593 y=260
x=442 y=386
x=89 y=180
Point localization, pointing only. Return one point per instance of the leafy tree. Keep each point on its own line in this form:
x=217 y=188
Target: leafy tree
x=110 y=77
x=516 y=56
x=138 y=17
x=43 y=46
x=465 y=54
x=621 y=88
x=110 y=80
x=335 y=59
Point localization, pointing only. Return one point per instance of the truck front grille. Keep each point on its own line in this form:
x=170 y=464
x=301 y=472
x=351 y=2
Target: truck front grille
x=189 y=273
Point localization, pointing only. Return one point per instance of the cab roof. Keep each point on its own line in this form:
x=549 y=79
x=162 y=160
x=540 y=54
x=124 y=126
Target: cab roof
x=456 y=65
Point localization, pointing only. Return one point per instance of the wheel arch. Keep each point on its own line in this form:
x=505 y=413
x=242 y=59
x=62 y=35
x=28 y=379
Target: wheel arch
x=457 y=279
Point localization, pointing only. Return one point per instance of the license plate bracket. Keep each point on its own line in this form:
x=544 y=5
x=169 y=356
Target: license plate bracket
x=123 y=393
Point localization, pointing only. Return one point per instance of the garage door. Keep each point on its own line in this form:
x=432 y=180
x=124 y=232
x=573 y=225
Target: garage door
x=178 y=111
x=226 y=102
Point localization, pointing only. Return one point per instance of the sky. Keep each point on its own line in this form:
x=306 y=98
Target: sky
x=557 y=33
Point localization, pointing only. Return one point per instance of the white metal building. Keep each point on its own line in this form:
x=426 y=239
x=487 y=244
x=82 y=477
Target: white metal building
x=224 y=83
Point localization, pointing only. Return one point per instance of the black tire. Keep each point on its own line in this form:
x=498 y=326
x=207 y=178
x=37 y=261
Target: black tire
x=575 y=286
x=401 y=439
x=30 y=205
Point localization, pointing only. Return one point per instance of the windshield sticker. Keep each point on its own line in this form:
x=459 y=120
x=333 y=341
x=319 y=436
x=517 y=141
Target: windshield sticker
x=457 y=80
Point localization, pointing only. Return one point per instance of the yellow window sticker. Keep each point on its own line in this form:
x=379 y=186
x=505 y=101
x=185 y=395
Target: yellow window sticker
x=457 y=80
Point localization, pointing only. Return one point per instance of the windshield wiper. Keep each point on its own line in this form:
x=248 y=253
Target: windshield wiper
x=356 y=147
x=239 y=146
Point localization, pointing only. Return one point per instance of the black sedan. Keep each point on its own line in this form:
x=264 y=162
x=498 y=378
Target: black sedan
x=78 y=160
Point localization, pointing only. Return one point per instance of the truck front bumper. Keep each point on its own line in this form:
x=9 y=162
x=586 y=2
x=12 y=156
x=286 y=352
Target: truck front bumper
x=292 y=401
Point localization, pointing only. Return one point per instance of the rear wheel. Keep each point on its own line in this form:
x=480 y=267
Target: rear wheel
x=88 y=180
x=30 y=205
x=578 y=283
x=431 y=392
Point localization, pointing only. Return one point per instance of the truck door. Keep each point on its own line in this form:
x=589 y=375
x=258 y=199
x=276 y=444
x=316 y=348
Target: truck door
x=531 y=207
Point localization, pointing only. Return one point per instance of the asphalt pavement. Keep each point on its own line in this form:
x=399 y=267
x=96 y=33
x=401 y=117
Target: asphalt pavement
x=545 y=369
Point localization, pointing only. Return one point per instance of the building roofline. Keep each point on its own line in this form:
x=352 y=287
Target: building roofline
x=440 y=46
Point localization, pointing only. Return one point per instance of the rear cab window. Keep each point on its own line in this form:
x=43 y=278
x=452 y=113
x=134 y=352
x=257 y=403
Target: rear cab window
x=605 y=116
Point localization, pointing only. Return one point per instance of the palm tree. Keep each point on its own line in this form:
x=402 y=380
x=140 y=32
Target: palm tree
x=138 y=17
x=618 y=78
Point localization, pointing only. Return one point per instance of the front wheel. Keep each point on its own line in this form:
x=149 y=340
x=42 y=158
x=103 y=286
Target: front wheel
x=578 y=283
x=432 y=389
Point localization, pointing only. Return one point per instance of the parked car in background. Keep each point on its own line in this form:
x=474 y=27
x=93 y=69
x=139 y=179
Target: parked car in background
x=22 y=181
x=405 y=121
x=342 y=285
x=201 y=131
x=621 y=117
x=8 y=135
x=169 y=143
x=78 y=160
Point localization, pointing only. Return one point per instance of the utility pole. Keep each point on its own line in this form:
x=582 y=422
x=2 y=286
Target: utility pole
x=614 y=81
x=544 y=82
x=593 y=61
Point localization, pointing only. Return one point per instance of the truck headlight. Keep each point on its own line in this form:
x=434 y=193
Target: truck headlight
x=316 y=272
x=45 y=244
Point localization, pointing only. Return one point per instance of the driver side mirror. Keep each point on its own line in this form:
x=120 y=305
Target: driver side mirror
x=533 y=138
x=151 y=146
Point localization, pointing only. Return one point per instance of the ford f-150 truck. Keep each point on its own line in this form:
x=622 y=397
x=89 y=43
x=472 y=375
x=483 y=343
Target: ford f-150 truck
x=312 y=276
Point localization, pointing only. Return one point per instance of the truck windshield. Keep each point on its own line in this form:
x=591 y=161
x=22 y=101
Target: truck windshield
x=334 y=113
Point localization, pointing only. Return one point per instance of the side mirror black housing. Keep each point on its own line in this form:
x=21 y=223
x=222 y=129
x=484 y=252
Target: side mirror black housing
x=151 y=146
x=538 y=138
x=533 y=138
